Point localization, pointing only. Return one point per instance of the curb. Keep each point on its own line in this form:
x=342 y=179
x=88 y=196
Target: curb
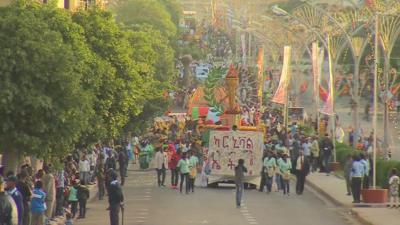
x=92 y=198
x=325 y=194
x=361 y=219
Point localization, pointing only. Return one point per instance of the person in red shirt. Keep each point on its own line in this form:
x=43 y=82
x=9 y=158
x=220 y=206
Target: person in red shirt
x=172 y=163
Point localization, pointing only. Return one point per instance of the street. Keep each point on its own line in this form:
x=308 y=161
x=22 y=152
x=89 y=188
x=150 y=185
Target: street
x=145 y=203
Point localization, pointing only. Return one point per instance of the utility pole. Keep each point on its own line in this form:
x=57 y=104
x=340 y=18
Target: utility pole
x=375 y=116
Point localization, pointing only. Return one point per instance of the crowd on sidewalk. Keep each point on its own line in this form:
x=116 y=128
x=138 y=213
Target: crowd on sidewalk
x=60 y=191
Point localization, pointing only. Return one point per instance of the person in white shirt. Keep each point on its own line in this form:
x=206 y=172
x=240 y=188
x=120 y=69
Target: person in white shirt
x=84 y=170
x=307 y=147
x=161 y=158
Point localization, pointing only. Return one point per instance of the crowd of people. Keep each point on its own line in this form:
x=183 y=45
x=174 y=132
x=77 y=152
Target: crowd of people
x=285 y=153
x=61 y=190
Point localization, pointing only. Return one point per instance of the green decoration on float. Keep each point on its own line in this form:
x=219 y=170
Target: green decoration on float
x=214 y=80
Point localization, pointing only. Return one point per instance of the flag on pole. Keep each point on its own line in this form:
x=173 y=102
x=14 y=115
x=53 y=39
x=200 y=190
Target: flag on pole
x=328 y=106
x=260 y=74
x=280 y=95
x=317 y=60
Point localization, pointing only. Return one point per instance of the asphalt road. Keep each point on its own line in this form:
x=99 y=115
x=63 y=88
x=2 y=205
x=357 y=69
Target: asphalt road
x=150 y=205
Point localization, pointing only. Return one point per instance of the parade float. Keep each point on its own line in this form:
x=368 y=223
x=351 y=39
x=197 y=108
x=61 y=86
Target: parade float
x=218 y=113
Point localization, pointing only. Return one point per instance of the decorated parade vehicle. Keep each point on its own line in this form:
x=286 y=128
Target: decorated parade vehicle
x=226 y=136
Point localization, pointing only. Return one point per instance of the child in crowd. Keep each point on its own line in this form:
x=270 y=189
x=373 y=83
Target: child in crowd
x=68 y=219
x=394 y=182
x=73 y=198
x=38 y=205
x=83 y=195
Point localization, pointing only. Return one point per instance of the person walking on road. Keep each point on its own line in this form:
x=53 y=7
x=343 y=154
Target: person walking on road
x=115 y=199
x=357 y=173
x=240 y=170
x=183 y=166
x=5 y=206
x=347 y=173
x=263 y=172
x=394 y=182
x=161 y=158
x=172 y=165
x=270 y=167
x=193 y=165
x=285 y=165
x=302 y=170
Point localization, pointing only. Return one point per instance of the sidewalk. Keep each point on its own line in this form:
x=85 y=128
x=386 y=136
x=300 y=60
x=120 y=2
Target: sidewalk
x=334 y=189
x=93 y=196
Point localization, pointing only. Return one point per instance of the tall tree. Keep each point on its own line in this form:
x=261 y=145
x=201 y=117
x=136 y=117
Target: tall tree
x=44 y=108
x=122 y=93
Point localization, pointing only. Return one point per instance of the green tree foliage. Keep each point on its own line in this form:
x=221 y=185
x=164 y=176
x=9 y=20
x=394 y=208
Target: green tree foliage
x=153 y=53
x=44 y=106
x=152 y=30
x=174 y=8
x=138 y=12
x=76 y=78
x=122 y=92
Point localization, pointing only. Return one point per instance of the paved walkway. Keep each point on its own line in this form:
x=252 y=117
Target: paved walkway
x=334 y=189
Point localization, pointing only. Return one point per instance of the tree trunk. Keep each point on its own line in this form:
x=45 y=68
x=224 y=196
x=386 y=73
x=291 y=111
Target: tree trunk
x=10 y=160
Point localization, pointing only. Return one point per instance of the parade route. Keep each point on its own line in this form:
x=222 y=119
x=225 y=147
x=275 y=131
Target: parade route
x=148 y=204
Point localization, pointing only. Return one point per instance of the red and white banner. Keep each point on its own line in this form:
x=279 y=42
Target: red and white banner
x=281 y=93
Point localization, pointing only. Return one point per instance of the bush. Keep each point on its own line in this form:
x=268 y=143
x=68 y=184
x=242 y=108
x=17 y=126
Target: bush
x=342 y=151
x=383 y=167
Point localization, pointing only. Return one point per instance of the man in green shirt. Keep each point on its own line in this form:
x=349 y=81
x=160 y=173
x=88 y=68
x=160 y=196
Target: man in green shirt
x=270 y=166
x=285 y=165
x=183 y=166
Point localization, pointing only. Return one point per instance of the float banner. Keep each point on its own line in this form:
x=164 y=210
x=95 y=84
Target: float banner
x=280 y=94
x=227 y=147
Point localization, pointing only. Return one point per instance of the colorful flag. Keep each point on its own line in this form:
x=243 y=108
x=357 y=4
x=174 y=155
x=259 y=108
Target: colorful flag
x=317 y=60
x=281 y=93
x=328 y=106
x=260 y=74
